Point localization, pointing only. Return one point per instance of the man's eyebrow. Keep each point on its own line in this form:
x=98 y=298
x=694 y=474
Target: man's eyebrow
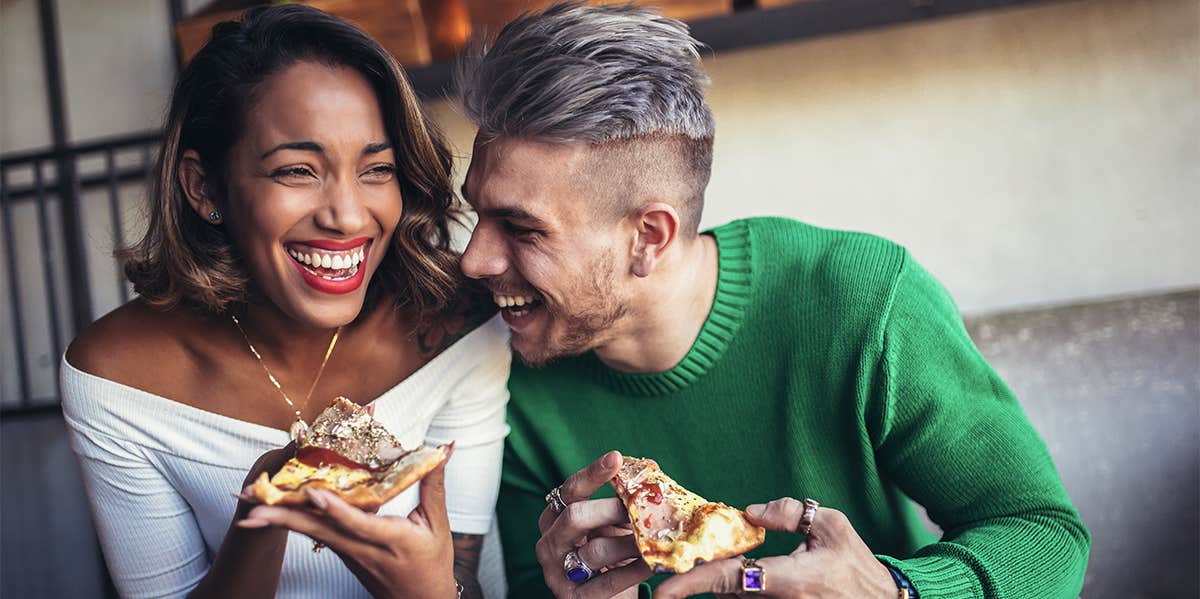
x=513 y=213
x=308 y=146
x=509 y=212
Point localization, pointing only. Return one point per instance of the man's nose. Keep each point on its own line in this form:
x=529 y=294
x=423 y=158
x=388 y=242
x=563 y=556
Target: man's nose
x=345 y=210
x=486 y=254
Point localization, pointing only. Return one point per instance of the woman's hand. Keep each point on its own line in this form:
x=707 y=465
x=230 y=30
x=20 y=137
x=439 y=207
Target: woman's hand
x=832 y=563
x=249 y=561
x=393 y=557
x=268 y=463
x=595 y=529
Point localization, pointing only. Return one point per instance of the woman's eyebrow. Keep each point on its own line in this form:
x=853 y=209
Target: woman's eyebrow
x=376 y=148
x=308 y=146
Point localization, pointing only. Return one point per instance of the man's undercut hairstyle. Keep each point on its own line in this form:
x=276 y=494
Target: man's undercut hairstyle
x=611 y=76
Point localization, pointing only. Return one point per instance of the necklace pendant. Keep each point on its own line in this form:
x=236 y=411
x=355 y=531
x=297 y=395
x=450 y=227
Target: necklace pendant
x=299 y=430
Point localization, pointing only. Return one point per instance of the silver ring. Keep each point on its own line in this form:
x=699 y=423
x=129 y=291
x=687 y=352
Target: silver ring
x=554 y=498
x=576 y=571
x=807 y=517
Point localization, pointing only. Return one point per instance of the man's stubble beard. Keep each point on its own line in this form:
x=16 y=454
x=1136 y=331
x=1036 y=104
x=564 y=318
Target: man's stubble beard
x=589 y=321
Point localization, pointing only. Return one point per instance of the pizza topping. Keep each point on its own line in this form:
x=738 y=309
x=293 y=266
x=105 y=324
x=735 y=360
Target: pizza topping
x=676 y=529
x=319 y=456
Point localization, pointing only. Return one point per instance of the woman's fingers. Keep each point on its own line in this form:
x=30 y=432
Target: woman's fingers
x=351 y=520
x=306 y=524
x=432 y=505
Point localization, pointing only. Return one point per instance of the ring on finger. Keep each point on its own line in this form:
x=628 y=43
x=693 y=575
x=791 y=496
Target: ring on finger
x=318 y=546
x=754 y=579
x=574 y=567
x=806 y=519
x=554 y=498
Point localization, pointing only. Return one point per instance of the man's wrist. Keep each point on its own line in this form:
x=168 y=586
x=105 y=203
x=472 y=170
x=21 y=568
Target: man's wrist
x=904 y=588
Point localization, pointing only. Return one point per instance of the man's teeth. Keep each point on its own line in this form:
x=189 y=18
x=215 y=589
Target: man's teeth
x=346 y=260
x=509 y=301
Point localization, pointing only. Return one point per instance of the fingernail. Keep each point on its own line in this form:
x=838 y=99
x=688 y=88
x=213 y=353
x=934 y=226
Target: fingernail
x=610 y=460
x=317 y=498
x=252 y=523
x=756 y=510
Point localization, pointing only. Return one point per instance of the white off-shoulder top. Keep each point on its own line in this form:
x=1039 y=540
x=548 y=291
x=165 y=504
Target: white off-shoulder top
x=159 y=473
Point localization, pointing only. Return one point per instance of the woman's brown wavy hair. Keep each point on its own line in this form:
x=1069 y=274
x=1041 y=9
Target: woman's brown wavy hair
x=183 y=259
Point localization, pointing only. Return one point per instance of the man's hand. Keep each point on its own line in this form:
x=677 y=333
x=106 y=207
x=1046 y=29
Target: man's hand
x=832 y=563
x=594 y=528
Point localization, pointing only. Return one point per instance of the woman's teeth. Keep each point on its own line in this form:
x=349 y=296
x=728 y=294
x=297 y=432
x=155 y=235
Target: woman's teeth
x=331 y=265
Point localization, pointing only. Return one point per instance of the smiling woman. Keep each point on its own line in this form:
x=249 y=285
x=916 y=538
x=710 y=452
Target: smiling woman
x=298 y=239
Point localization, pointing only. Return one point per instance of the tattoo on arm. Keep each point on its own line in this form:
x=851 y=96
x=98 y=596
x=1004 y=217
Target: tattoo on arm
x=467 y=549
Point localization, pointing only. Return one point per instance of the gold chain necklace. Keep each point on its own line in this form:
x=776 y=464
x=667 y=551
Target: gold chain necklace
x=299 y=427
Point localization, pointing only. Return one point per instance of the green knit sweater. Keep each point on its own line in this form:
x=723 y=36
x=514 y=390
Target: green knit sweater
x=831 y=366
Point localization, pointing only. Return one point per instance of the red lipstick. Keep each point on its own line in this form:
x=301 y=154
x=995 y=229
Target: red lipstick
x=335 y=246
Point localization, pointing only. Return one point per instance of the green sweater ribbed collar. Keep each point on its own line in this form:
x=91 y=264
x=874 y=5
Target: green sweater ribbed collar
x=734 y=289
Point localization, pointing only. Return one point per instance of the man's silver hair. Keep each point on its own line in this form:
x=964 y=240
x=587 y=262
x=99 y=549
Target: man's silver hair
x=579 y=73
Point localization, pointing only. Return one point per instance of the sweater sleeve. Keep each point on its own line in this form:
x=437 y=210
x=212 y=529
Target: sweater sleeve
x=956 y=441
x=474 y=419
x=151 y=541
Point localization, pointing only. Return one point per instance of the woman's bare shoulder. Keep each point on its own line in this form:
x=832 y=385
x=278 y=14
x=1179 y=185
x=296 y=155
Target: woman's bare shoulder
x=133 y=343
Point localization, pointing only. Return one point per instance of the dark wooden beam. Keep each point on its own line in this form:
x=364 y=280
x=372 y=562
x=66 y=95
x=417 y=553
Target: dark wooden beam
x=68 y=189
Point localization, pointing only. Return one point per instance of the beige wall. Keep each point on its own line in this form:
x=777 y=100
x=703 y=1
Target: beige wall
x=1027 y=156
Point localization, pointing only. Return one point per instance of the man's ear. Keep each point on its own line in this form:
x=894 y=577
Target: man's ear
x=196 y=187
x=657 y=227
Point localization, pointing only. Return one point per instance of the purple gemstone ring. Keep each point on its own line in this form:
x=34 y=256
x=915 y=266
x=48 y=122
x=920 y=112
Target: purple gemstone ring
x=576 y=571
x=754 y=579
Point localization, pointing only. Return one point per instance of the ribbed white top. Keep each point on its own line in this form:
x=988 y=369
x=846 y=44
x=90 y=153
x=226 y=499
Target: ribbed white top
x=159 y=473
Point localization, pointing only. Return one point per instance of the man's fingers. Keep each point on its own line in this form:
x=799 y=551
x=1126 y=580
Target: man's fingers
x=582 y=484
x=722 y=576
x=578 y=520
x=614 y=581
x=781 y=514
x=546 y=519
x=602 y=552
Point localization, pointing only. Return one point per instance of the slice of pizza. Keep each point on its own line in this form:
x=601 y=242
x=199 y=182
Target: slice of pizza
x=676 y=529
x=349 y=453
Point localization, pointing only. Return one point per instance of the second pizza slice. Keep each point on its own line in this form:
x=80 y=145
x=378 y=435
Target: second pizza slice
x=676 y=529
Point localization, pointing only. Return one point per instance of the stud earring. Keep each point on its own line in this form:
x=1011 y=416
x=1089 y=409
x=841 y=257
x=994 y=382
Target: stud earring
x=214 y=216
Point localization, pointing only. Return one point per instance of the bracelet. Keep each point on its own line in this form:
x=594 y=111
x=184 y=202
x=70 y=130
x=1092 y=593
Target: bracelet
x=459 y=587
x=904 y=588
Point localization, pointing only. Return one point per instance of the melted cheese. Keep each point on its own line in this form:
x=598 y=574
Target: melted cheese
x=295 y=473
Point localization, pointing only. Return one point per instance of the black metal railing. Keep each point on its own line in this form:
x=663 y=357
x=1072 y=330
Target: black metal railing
x=60 y=184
